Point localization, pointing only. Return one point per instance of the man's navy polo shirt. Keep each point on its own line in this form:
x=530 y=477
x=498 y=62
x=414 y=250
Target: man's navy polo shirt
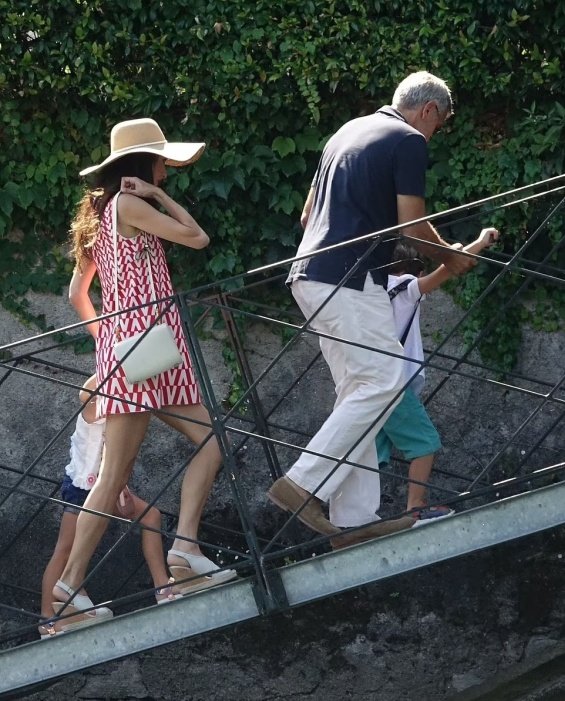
x=364 y=166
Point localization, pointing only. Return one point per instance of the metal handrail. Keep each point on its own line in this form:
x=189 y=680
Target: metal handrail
x=263 y=553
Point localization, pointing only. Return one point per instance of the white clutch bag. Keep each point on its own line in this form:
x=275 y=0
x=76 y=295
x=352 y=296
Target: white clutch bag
x=155 y=353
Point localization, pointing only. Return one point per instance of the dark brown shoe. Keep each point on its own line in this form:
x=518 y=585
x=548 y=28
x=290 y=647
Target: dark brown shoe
x=373 y=530
x=287 y=496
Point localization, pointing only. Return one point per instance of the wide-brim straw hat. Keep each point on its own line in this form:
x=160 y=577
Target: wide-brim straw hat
x=145 y=136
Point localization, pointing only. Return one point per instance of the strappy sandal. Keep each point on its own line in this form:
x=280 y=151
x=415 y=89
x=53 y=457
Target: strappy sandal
x=80 y=618
x=167 y=594
x=48 y=630
x=198 y=565
x=430 y=514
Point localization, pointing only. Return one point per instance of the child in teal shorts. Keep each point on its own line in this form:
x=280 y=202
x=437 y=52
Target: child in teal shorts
x=409 y=429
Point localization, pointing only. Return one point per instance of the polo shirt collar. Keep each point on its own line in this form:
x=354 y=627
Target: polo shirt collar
x=390 y=112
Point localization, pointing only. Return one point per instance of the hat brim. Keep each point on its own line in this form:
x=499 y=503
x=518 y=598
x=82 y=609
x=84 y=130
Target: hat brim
x=175 y=154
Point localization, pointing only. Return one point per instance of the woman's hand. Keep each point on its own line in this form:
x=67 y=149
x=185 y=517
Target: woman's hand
x=138 y=187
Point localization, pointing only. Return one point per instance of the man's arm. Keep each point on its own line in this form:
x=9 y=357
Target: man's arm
x=429 y=283
x=409 y=208
x=79 y=297
x=307 y=208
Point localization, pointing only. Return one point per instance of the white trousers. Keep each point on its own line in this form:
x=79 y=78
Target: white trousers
x=366 y=381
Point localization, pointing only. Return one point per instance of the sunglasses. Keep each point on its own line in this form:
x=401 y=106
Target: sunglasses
x=441 y=122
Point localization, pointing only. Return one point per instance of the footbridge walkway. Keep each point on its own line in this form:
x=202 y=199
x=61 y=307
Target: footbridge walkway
x=277 y=570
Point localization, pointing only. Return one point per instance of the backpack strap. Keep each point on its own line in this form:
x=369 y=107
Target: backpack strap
x=409 y=324
x=401 y=287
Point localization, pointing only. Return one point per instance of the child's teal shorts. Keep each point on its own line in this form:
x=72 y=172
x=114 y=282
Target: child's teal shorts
x=409 y=429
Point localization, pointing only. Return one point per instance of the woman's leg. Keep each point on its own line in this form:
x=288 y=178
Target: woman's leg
x=199 y=475
x=124 y=434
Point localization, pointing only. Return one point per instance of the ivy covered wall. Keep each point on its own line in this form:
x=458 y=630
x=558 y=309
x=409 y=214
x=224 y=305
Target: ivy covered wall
x=264 y=83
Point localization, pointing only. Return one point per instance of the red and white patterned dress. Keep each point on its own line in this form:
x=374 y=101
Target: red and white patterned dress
x=173 y=387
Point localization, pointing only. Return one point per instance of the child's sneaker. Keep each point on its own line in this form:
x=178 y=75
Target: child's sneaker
x=429 y=514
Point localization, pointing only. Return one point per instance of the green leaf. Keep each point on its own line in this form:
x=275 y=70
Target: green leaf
x=6 y=202
x=308 y=140
x=222 y=188
x=25 y=197
x=283 y=146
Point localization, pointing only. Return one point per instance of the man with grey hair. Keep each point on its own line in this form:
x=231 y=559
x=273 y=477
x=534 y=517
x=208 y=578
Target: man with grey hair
x=420 y=88
x=371 y=177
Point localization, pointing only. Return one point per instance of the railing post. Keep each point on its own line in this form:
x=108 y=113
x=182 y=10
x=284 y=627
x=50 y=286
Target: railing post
x=247 y=375
x=268 y=597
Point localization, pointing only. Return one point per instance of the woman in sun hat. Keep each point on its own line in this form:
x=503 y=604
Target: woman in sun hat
x=129 y=180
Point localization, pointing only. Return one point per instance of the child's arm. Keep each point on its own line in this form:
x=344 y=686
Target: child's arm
x=87 y=400
x=126 y=504
x=79 y=297
x=429 y=283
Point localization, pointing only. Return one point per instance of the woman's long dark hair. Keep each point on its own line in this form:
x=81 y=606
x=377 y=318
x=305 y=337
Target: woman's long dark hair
x=105 y=184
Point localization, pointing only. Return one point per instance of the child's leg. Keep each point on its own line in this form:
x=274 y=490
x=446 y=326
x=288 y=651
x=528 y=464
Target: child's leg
x=420 y=471
x=124 y=434
x=151 y=542
x=411 y=431
x=57 y=562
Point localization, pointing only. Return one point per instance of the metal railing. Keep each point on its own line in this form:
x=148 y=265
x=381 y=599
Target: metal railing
x=252 y=419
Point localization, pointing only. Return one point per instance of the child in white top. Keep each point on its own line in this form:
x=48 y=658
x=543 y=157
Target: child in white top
x=406 y=295
x=87 y=446
x=409 y=428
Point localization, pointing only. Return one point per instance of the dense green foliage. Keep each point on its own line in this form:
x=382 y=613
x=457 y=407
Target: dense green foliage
x=264 y=83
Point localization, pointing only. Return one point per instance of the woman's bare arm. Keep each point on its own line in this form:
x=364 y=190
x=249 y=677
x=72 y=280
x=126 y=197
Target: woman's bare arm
x=80 y=298
x=177 y=225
